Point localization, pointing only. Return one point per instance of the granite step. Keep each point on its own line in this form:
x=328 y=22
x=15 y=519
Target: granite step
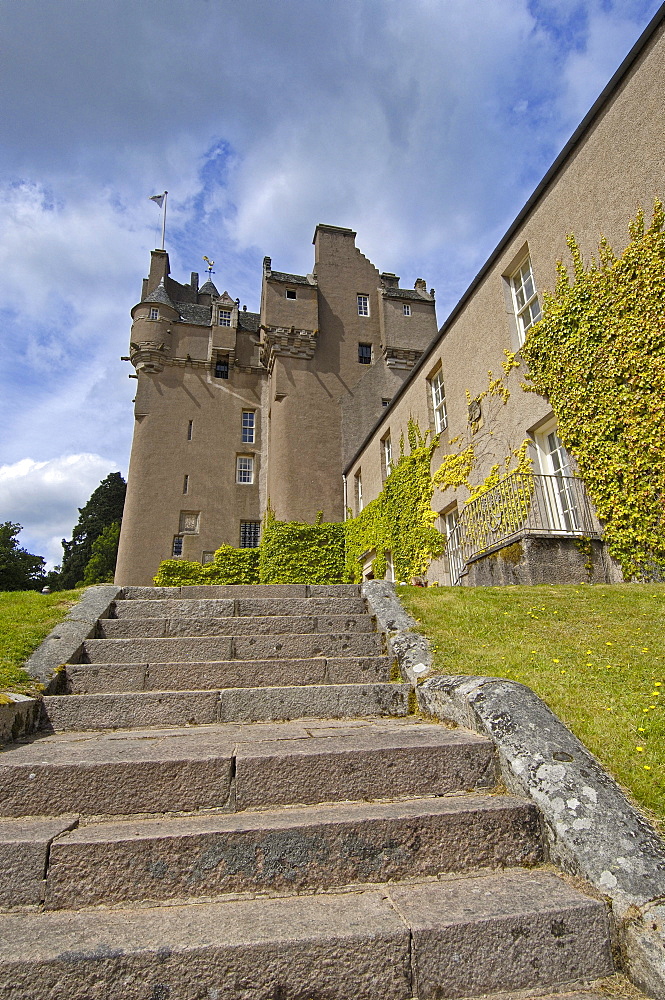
x=157 y=628
x=236 y=590
x=260 y=647
x=100 y=678
x=209 y=607
x=293 y=849
x=239 y=766
x=435 y=939
x=125 y=709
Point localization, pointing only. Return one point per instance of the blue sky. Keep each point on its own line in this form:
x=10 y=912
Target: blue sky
x=422 y=124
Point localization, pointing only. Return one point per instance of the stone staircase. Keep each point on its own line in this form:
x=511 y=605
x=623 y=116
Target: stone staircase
x=234 y=801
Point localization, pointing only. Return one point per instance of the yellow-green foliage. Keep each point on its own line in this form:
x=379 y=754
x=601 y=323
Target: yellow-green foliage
x=400 y=519
x=230 y=565
x=294 y=552
x=598 y=354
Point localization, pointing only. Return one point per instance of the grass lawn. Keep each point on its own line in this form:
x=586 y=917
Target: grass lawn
x=594 y=654
x=26 y=618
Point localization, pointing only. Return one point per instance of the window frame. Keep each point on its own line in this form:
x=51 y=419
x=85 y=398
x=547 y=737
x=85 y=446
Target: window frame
x=438 y=399
x=291 y=294
x=518 y=281
x=364 y=358
x=254 y=534
x=387 y=455
x=243 y=471
x=358 y=490
x=222 y=367
x=154 y=312
x=406 y=309
x=224 y=316
x=177 y=544
x=362 y=303
x=248 y=430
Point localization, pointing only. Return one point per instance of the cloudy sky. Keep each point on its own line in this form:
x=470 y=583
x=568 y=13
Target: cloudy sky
x=422 y=124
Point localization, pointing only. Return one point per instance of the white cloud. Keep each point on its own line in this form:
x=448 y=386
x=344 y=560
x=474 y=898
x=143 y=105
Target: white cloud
x=44 y=498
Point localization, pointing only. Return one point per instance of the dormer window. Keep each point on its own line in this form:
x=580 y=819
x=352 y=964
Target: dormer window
x=154 y=312
x=291 y=293
x=224 y=317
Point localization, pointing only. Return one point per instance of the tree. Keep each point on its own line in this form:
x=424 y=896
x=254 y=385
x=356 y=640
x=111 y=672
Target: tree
x=101 y=565
x=103 y=509
x=19 y=569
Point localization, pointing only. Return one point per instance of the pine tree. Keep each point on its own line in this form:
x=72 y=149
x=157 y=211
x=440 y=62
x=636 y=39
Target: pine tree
x=103 y=509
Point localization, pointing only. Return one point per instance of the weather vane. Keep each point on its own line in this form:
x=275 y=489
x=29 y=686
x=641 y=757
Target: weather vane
x=210 y=264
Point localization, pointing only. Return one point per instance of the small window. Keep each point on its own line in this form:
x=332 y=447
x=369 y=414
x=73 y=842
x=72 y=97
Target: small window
x=224 y=317
x=249 y=534
x=190 y=430
x=177 y=546
x=439 y=402
x=364 y=354
x=248 y=426
x=407 y=309
x=363 y=305
x=359 y=491
x=154 y=313
x=525 y=299
x=387 y=456
x=290 y=294
x=189 y=522
x=222 y=367
x=385 y=402
x=244 y=469
x=185 y=485
x=207 y=558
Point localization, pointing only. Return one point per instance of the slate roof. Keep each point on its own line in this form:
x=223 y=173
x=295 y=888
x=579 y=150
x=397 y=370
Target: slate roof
x=191 y=313
x=405 y=293
x=159 y=295
x=289 y=279
x=208 y=288
x=248 y=321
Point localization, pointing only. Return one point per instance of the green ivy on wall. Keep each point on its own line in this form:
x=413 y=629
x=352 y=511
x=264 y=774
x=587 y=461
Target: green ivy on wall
x=230 y=565
x=400 y=519
x=295 y=552
x=598 y=354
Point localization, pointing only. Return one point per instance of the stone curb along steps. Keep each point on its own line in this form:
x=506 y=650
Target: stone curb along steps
x=230 y=796
x=591 y=828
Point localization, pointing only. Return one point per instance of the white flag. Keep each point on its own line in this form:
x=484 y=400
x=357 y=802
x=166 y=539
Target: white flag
x=159 y=198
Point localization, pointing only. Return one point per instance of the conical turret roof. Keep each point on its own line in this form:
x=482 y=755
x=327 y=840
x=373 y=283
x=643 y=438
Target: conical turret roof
x=159 y=295
x=208 y=288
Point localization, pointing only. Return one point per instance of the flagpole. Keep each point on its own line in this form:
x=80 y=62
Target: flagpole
x=164 y=219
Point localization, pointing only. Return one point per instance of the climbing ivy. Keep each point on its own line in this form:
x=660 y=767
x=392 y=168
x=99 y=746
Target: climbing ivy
x=598 y=354
x=229 y=565
x=295 y=552
x=400 y=519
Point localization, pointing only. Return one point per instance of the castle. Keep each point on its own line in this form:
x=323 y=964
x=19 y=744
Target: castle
x=305 y=403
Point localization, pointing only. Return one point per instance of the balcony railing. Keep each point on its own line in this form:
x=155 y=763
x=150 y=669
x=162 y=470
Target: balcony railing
x=521 y=504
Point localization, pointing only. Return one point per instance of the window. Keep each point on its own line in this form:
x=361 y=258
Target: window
x=222 y=367
x=525 y=299
x=439 y=402
x=177 y=546
x=363 y=305
x=189 y=522
x=185 y=485
x=207 y=557
x=290 y=294
x=387 y=456
x=249 y=534
x=559 y=486
x=154 y=313
x=453 y=553
x=385 y=402
x=244 y=469
x=407 y=309
x=224 y=317
x=190 y=430
x=359 y=491
x=364 y=354
x=248 y=426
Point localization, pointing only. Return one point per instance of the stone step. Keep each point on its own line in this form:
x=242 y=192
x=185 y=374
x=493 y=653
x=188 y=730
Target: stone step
x=293 y=849
x=24 y=853
x=236 y=590
x=260 y=647
x=99 y=678
x=152 y=627
x=127 y=709
x=208 y=607
x=239 y=767
x=437 y=939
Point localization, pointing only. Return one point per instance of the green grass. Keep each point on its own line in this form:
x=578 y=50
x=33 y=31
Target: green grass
x=26 y=618
x=594 y=654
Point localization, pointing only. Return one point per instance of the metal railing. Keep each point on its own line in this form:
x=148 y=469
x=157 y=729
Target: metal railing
x=521 y=504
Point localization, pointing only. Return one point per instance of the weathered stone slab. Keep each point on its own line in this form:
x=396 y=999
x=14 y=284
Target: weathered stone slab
x=334 y=590
x=156 y=650
x=358 y=669
x=234 y=674
x=99 y=678
x=239 y=590
x=269 y=647
x=259 y=949
x=301 y=606
x=148 y=593
x=153 y=627
x=335 y=701
x=123 y=773
x=293 y=849
x=19 y=717
x=412 y=650
x=24 y=846
x=503 y=932
x=418 y=760
x=172 y=608
x=123 y=710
